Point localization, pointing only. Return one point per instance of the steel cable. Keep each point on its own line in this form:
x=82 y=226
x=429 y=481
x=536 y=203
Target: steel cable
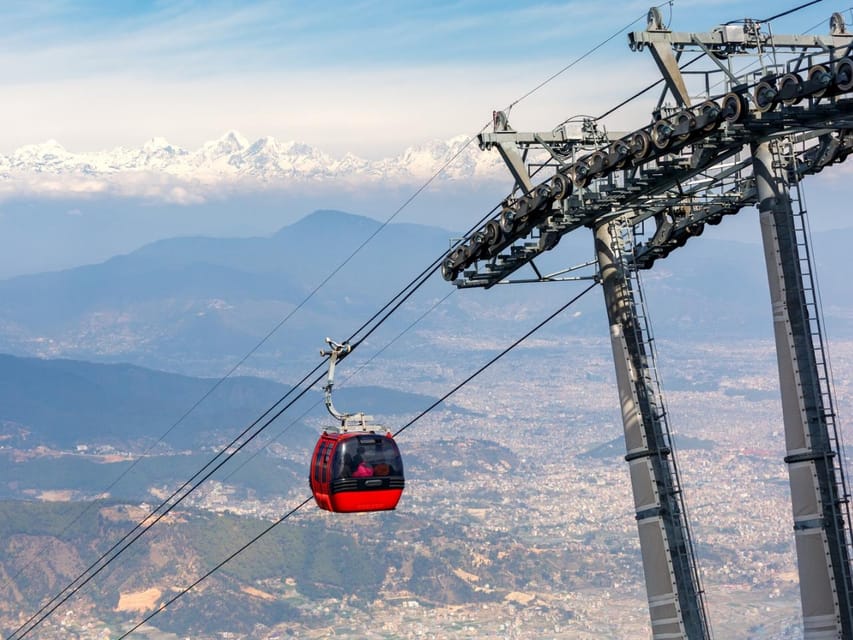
x=401 y=297
x=141 y=527
x=411 y=422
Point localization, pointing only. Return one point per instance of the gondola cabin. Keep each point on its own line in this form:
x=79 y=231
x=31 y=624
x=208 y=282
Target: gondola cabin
x=355 y=471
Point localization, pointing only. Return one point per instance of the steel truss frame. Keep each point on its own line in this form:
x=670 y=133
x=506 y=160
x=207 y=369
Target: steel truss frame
x=697 y=162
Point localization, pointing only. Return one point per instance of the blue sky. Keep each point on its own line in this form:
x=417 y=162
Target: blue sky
x=368 y=77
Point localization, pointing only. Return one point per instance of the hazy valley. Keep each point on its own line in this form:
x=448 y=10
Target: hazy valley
x=516 y=521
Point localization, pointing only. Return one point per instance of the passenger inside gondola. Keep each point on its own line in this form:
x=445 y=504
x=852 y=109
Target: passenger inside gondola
x=367 y=456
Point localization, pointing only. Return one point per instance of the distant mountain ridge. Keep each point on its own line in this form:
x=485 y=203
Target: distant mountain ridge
x=219 y=295
x=159 y=168
x=187 y=303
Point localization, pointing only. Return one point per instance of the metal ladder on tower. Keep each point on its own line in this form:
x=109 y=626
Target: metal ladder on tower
x=839 y=504
x=684 y=552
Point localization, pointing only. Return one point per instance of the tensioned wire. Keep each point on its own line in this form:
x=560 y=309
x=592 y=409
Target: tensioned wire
x=414 y=420
x=702 y=55
x=411 y=422
x=223 y=456
x=141 y=524
x=392 y=304
x=361 y=367
x=147 y=523
x=265 y=338
x=270 y=333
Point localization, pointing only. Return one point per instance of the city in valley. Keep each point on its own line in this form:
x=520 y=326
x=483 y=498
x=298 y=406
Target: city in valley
x=517 y=519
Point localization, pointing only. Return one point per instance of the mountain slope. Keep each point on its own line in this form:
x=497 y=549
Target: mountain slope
x=193 y=303
x=173 y=299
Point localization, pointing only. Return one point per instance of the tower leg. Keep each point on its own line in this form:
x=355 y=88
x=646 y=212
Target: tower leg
x=819 y=524
x=672 y=586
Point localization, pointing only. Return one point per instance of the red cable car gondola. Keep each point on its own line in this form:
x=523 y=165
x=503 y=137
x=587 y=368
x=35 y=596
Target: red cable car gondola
x=354 y=467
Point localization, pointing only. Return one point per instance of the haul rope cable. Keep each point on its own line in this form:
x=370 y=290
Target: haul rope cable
x=221 y=380
x=432 y=406
x=146 y=523
x=586 y=54
x=254 y=349
x=407 y=425
x=218 y=383
x=228 y=451
x=406 y=203
x=263 y=340
x=345 y=379
x=142 y=524
x=702 y=55
x=394 y=304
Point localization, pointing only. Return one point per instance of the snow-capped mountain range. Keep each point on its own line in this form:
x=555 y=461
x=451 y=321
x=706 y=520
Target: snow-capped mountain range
x=159 y=169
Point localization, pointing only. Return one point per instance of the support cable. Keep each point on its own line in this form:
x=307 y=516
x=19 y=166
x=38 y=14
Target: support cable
x=701 y=55
x=411 y=422
x=583 y=56
x=496 y=358
x=345 y=379
x=263 y=340
x=147 y=523
x=270 y=333
x=195 y=481
x=215 y=568
x=790 y=11
x=266 y=338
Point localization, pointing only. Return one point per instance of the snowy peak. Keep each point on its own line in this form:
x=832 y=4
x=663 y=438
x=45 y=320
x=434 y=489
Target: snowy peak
x=159 y=169
x=230 y=144
x=44 y=155
x=161 y=148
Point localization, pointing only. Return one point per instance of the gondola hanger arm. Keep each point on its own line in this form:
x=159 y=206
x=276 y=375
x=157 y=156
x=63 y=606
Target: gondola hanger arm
x=336 y=351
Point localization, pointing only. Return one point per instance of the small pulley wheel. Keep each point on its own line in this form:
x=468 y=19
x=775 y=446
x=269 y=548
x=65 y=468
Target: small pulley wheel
x=820 y=74
x=654 y=19
x=837 y=27
x=455 y=261
x=844 y=75
x=542 y=195
x=521 y=213
x=507 y=221
x=561 y=186
x=710 y=110
x=765 y=96
x=790 y=85
x=661 y=134
x=619 y=152
x=640 y=144
x=734 y=107
x=448 y=271
x=684 y=119
x=580 y=173
x=492 y=232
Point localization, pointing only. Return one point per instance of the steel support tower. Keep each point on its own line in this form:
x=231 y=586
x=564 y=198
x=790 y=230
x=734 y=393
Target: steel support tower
x=675 y=599
x=711 y=149
x=817 y=491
